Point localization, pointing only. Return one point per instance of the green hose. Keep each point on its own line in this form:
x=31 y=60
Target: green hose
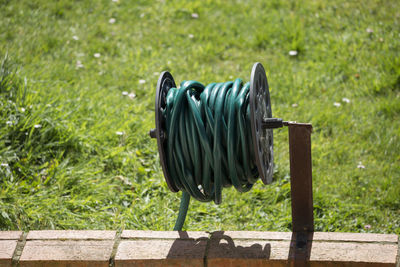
x=209 y=143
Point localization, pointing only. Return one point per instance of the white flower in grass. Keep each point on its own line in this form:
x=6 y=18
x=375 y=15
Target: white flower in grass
x=22 y=109
x=337 y=104
x=369 y=30
x=125 y=93
x=76 y=38
x=142 y=81
x=292 y=53
x=4 y=164
x=37 y=126
x=119 y=133
x=132 y=95
x=96 y=55
x=195 y=15
x=115 y=1
x=360 y=165
x=346 y=100
x=112 y=20
x=191 y=36
x=295 y=105
x=142 y=15
x=79 y=64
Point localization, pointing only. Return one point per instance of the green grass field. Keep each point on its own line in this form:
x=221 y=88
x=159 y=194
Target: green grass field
x=77 y=87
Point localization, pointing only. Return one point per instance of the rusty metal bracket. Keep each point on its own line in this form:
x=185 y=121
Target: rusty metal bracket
x=301 y=176
x=301 y=192
x=300 y=172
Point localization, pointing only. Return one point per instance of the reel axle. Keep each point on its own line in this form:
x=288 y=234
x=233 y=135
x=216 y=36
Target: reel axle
x=269 y=123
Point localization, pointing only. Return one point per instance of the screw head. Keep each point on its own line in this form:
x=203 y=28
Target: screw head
x=152 y=133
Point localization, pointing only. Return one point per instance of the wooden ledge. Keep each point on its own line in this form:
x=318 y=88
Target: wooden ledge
x=172 y=248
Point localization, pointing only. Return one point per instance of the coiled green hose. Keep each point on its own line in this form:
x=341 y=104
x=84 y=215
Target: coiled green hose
x=210 y=144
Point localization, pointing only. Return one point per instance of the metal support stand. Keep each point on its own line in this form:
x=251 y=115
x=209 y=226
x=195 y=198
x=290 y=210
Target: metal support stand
x=301 y=176
x=301 y=192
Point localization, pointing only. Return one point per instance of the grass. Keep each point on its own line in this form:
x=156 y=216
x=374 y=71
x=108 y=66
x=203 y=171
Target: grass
x=74 y=148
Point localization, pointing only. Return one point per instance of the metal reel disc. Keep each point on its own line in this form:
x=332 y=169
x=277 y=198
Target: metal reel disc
x=260 y=109
x=165 y=82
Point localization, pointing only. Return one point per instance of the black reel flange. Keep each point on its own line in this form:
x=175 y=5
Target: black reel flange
x=260 y=110
x=165 y=82
x=262 y=123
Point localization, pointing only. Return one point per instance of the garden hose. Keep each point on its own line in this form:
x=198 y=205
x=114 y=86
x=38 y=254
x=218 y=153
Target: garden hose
x=214 y=136
x=209 y=143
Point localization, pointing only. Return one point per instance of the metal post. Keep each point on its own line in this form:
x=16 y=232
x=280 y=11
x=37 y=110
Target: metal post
x=301 y=193
x=301 y=176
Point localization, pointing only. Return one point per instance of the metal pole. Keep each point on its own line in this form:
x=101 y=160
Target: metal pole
x=301 y=176
x=301 y=193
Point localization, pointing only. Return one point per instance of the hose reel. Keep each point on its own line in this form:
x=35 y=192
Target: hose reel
x=256 y=112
